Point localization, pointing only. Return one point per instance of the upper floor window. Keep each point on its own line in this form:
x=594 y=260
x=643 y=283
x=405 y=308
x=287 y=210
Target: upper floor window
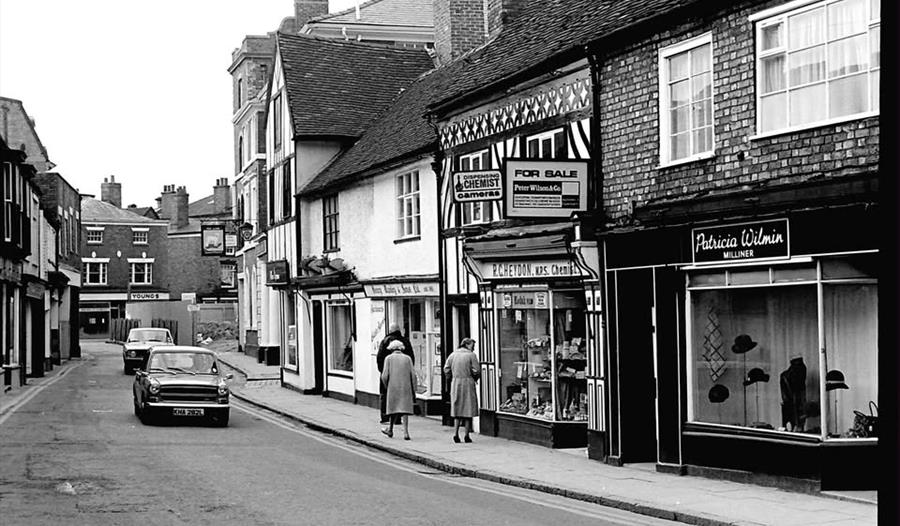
x=240 y=153
x=240 y=92
x=94 y=236
x=818 y=63
x=685 y=101
x=478 y=211
x=330 y=223
x=287 y=190
x=139 y=236
x=547 y=145
x=408 y=213
x=9 y=189
x=95 y=272
x=276 y=120
x=141 y=273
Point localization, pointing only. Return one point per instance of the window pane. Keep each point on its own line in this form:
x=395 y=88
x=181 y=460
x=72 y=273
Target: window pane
x=875 y=45
x=415 y=181
x=702 y=113
x=848 y=96
x=807 y=66
x=680 y=146
x=702 y=86
x=547 y=148
x=772 y=36
x=874 y=81
x=773 y=74
x=467 y=213
x=679 y=93
x=485 y=160
x=847 y=56
x=807 y=29
x=875 y=6
x=773 y=112
x=703 y=140
x=465 y=164
x=847 y=17
x=680 y=119
x=533 y=150
x=340 y=338
x=806 y=104
x=700 y=60
x=679 y=67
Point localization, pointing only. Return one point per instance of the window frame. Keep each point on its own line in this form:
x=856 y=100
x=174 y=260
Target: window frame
x=148 y=271
x=403 y=199
x=9 y=185
x=331 y=227
x=467 y=163
x=134 y=236
x=664 y=108
x=90 y=230
x=276 y=121
x=102 y=272
x=557 y=150
x=780 y=15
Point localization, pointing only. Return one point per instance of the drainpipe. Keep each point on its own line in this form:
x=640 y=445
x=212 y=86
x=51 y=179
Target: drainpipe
x=437 y=167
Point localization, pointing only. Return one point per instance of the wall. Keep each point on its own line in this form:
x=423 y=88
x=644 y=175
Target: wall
x=119 y=238
x=147 y=311
x=189 y=271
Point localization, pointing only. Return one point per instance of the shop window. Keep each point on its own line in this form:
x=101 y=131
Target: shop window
x=408 y=213
x=330 y=223
x=340 y=337
x=686 y=103
x=421 y=323
x=477 y=212
x=818 y=63
x=542 y=354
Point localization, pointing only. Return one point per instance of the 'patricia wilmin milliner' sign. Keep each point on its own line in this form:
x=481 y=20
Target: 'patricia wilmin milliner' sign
x=483 y=185
x=545 y=188
x=757 y=240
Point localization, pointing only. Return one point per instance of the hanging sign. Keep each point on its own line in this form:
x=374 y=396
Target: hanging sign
x=484 y=185
x=545 y=188
x=277 y=272
x=742 y=242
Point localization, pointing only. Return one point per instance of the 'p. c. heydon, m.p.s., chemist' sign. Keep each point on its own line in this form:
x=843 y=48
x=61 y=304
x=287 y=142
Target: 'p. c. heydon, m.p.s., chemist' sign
x=741 y=242
x=545 y=188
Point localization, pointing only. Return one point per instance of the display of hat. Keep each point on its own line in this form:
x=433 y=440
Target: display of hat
x=756 y=375
x=742 y=344
x=834 y=379
x=718 y=394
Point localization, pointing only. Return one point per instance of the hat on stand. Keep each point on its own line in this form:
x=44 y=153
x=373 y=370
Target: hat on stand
x=756 y=375
x=834 y=379
x=718 y=394
x=742 y=344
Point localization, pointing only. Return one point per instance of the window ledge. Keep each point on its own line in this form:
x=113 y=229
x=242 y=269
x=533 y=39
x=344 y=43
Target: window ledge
x=686 y=160
x=331 y=250
x=407 y=239
x=812 y=126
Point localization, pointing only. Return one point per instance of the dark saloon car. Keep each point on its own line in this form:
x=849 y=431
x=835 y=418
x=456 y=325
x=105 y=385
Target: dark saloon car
x=138 y=344
x=181 y=381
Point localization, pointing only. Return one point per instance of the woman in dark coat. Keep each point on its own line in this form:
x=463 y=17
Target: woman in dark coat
x=400 y=380
x=463 y=367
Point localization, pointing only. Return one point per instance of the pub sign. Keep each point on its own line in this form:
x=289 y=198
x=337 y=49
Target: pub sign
x=277 y=272
x=742 y=242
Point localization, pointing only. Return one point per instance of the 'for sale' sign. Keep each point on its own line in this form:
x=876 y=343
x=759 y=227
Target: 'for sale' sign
x=484 y=185
x=545 y=188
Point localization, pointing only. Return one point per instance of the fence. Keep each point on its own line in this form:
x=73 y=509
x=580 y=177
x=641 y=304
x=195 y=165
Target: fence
x=172 y=325
x=119 y=328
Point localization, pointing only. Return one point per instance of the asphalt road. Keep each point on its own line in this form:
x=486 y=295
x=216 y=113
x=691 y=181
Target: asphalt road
x=76 y=454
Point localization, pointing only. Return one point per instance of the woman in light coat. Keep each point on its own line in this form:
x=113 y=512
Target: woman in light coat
x=399 y=379
x=463 y=367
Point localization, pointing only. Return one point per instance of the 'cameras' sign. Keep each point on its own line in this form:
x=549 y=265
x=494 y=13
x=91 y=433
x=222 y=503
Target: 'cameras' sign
x=545 y=188
x=484 y=185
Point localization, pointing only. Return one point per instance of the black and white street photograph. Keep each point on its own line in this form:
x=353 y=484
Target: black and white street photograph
x=449 y=262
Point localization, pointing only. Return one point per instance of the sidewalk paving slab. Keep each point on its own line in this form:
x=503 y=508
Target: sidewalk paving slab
x=687 y=499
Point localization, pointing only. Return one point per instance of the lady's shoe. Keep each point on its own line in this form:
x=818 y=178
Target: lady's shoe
x=389 y=433
x=456 y=439
x=467 y=440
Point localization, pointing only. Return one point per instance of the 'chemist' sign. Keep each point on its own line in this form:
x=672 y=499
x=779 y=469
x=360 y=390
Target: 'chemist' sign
x=545 y=188
x=484 y=185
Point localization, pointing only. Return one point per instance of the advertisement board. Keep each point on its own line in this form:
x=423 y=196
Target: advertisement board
x=483 y=185
x=551 y=188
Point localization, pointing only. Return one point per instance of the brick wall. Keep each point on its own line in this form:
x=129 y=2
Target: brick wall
x=629 y=134
x=190 y=271
x=119 y=238
x=458 y=27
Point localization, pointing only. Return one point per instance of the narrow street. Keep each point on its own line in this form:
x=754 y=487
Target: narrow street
x=76 y=454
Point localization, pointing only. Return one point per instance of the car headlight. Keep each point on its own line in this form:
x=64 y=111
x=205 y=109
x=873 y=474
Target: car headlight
x=131 y=354
x=154 y=386
x=223 y=388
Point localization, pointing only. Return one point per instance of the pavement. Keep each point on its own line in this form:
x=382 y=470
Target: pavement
x=569 y=473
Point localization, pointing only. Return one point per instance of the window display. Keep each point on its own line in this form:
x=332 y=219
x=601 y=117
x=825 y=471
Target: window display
x=420 y=322
x=340 y=337
x=542 y=354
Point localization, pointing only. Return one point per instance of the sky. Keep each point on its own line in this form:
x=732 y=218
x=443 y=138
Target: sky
x=139 y=90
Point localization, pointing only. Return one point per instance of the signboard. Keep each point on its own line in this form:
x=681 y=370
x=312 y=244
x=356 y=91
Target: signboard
x=149 y=296
x=277 y=273
x=545 y=188
x=384 y=290
x=530 y=269
x=484 y=185
x=525 y=300
x=189 y=296
x=292 y=345
x=742 y=242
x=212 y=239
x=231 y=243
x=193 y=307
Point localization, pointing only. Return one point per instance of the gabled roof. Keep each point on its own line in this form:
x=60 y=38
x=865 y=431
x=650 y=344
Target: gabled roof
x=418 y=13
x=20 y=130
x=400 y=134
x=336 y=88
x=95 y=211
x=145 y=211
x=206 y=206
x=543 y=31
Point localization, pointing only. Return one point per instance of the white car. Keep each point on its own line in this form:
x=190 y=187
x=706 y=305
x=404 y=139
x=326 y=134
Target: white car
x=138 y=344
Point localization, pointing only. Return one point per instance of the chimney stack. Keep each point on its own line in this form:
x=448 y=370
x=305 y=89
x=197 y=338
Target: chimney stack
x=304 y=10
x=221 y=195
x=180 y=200
x=167 y=202
x=111 y=191
x=463 y=25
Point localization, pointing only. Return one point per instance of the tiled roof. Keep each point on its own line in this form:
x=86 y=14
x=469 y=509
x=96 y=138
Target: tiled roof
x=192 y=227
x=418 y=13
x=547 y=28
x=95 y=211
x=206 y=206
x=337 y=88
x=145 y=211
x=400 y=132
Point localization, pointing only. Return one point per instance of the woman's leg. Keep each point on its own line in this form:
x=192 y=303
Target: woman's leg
x=405 y=421
x=456 y=424
x=468 y=430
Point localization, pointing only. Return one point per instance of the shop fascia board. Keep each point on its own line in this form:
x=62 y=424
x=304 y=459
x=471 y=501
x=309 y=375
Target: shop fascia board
x=535 y=247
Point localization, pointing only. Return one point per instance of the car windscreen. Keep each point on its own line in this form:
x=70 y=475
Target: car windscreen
x=149 y=335
x=183 y=362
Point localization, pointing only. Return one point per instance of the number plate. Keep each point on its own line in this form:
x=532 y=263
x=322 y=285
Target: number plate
x=181 y=411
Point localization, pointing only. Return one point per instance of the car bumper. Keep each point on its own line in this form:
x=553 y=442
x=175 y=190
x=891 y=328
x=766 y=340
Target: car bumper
x=174 y=405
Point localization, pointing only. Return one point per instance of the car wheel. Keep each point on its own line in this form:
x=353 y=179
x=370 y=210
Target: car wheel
x=145 y=415
x=221 y=418
x=127 y=370
x=137 y=409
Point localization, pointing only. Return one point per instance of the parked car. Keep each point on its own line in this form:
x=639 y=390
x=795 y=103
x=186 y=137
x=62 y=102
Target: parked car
x=181 y=381
x=138 y=344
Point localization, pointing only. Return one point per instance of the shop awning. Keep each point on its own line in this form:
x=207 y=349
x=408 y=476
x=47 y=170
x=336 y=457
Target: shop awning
x=524 y=241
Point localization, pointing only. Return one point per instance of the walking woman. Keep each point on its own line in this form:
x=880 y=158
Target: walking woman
x=399 y=379
x=463 y=367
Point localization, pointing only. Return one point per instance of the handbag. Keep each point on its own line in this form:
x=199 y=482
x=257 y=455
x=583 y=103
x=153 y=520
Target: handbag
x=866 y=425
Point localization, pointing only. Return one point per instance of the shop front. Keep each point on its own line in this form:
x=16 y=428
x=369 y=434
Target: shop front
x=539 y=336
x=766 y=330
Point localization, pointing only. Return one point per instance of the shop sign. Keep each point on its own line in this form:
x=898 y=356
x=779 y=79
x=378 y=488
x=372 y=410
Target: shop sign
x=148 y=296
x=530 y=269
x=525 y=300
x=741 y=242
x=545 y=188
x=402 y=289
x=482 y=185
x=277 y=272
x=10 y=271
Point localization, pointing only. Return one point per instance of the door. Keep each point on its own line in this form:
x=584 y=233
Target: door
x=318 y=324
x=37 y=337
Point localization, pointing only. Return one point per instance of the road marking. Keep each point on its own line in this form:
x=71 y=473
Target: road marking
x=585 y=509
x=12 y=408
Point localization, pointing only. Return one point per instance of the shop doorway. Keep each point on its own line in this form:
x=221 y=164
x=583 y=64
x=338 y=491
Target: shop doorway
x=37 y=336
x=318 y=336
x=94 y=320
x=637 y=382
